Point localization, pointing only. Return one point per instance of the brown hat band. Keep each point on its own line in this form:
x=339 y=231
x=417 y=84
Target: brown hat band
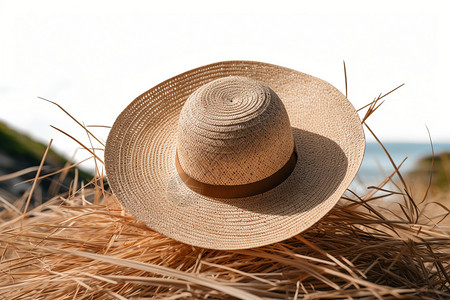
x=242 y=190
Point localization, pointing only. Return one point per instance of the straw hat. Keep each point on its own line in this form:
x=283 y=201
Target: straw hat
x=235 y=154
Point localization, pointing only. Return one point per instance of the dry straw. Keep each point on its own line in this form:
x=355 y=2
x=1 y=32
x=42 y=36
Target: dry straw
x=83 y=245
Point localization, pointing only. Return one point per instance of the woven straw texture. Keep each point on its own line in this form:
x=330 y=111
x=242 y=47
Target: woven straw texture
x=233 y=131
x=142 y=145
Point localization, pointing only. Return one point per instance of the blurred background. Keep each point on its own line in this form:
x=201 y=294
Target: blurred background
x=94 y=57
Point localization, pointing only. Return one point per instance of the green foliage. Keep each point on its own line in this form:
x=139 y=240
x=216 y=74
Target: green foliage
x=26 y=149
x=21 y=145
x=440 y=171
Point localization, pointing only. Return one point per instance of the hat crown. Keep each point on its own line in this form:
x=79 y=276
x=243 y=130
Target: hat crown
x=233 y=131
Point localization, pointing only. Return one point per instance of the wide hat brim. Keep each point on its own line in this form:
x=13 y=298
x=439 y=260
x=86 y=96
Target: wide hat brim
x=140 y=161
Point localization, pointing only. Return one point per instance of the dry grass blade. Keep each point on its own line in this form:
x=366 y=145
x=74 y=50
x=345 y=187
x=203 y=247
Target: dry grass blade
x=67 y=113
x=388 y=155
x=14 y=210
x=81 y=144
x=19 y=173
x=431 y=168
x=98 y=126
x=371 y=194
x=345 y=76
x=37 y=176
x=65 y=168
x=373 y=103
x=92 y=149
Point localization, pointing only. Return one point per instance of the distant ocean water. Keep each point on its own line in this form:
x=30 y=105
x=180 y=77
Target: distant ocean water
x=376 y=165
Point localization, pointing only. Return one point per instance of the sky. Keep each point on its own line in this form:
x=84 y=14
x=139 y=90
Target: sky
x=94 y=57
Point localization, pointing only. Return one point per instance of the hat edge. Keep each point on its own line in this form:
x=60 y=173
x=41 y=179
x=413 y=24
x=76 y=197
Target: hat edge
x=109 y=160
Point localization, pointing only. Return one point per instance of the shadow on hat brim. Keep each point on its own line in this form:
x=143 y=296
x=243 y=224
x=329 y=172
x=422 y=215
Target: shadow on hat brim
x=140 y=152
x=328 y=160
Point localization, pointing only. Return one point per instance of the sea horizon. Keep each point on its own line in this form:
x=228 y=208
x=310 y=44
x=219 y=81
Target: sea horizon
x=376 y=165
